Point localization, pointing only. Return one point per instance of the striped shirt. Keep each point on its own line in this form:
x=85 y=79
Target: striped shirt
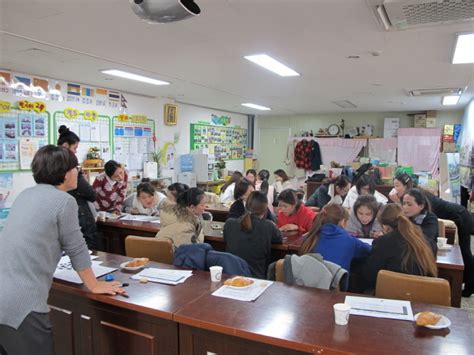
x=42 y=223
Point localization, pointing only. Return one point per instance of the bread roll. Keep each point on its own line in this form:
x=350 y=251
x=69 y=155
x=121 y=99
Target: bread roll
x=427 y=318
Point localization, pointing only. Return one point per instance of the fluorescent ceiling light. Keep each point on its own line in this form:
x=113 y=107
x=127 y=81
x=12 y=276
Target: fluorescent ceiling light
x=464 y=49
x=144 y=79
x=451 y=100
x=271 y=64
x=257 y=107
x=344 y=104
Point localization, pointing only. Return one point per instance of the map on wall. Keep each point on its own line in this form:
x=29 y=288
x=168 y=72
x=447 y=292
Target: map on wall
x=227 y=143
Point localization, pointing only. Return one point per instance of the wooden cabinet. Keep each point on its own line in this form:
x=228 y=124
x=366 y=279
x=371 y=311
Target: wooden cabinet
x=85 y=327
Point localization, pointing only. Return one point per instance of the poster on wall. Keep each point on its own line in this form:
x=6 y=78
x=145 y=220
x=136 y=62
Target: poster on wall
x=26 y=124
x=11 y=152
x=28 y=149
x=39 y=127
x=10 y=128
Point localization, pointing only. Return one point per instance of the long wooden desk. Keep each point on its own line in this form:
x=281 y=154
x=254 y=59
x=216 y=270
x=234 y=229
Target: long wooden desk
x=186 y=319
x=219 y=211
x=450 y=263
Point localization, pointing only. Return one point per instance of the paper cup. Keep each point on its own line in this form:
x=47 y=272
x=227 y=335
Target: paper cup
x=102 y=215
x=341 y=313
x=216 y=273
x=442 y=242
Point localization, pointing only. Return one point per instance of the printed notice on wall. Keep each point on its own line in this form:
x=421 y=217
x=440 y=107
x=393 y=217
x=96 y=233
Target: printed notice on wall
x=28 y=148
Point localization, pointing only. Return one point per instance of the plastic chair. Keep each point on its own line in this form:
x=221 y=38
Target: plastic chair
x=395 y=285
x=159 y=250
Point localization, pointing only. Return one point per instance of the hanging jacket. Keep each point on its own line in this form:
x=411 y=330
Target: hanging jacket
x=303 y=154
x=192 y=255
x=231 y=264
x=310 y=270
x=290 y=159
x=315 y=156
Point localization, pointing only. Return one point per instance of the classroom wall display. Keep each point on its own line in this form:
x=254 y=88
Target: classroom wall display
x=133 y=140
x=21 y=127
x=227 y=143
x=93 y=130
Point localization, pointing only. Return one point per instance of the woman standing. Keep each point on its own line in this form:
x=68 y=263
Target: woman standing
x=31 y=251
x=251 y=236
x=293 y=215
x=111 y=187
x=330 y=191
x=84 y=193
x=416 y=207
x=181 y=222
x=402 y=249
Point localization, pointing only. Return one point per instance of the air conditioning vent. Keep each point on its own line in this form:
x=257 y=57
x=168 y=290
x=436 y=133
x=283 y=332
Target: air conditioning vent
x=436 y=92
x=406 y=14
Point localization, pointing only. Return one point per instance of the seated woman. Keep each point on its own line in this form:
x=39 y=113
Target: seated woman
x=251 y=176
x=330 y=191
x=401 y=183
x=251 y=236
x=363 y=221
x=462 y=218
x=111 y=187
x=293 y=215
x=282 y=181
x=329 y=238
x=364 y=186
x=174 y=190
x=181 y=222
x=242 y=190
x=146 y=201
x=416 y=207
x=43 y=222
x=262 y=185
x=401 y=249
x=227 y=190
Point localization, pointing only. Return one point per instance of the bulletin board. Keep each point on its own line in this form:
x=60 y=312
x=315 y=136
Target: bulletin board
x=22 y=133
x=133 y=141
x=227 y=143
x=93 y=133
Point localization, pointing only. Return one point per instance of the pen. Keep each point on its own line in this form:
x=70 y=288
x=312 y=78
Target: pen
x=124 y=295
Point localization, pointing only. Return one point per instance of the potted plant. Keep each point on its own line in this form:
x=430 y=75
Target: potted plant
x=93 y=158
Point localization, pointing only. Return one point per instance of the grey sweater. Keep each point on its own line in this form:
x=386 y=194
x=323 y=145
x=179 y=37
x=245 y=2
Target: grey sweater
x=42 y=223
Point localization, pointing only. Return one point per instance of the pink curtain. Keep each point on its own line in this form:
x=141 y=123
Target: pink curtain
x=420 y=147
x=384 y=149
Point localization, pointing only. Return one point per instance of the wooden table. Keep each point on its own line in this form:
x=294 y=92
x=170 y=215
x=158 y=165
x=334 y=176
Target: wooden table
x=87 y=324
x=209 y=185
x=302 y=321
x=450 y=263
x=186 y=319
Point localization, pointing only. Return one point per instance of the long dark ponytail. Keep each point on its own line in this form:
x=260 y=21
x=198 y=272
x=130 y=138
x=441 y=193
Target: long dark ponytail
x=257 y=204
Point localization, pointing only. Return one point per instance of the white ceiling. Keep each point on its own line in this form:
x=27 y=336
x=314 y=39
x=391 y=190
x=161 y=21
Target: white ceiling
x=203 y=57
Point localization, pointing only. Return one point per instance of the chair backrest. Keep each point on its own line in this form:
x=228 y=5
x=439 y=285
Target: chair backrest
x=280 y=271
x=414 y=288
x=159 y=250
x=441 y=229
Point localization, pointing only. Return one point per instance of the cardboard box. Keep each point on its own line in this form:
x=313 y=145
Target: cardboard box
x=431 y=114
x=449 y=147
x=448 y=138
x=448 y=129
x=430 y=122
x=420 y=121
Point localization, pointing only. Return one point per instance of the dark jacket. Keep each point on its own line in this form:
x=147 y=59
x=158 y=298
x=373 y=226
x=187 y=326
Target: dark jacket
x=320 y=197
x=231 y=264
x=237 y=209
x=430 y=229
x=192 y=255
x=254 y=247
x=315 y=157
x=84 y=194
x=387 y=254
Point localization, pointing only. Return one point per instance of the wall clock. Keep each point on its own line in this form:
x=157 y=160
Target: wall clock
x=334 y=130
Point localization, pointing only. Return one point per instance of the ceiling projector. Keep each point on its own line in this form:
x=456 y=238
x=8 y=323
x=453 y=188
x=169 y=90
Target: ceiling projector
x=164 y=11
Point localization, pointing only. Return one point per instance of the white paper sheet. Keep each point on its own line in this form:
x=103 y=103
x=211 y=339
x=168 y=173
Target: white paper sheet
x=104 y=133
x=165 y=276
x=380 y=308
x=247 y=294
x=95 y=133
x=366 y=240
x=130 y=217
x=64 y=270
x=85 y=131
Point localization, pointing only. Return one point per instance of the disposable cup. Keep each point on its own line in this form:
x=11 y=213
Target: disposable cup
x=216 y=273
x=341 y=313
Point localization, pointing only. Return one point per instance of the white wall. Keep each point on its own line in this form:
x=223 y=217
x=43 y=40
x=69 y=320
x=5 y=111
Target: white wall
x=151 y=107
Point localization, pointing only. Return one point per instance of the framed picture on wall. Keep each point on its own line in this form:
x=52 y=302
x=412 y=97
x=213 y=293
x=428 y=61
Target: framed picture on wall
x=171 y=115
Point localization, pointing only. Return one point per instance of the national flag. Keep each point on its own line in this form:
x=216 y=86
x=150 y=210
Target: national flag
x=103 y=92
x=87 y=91
x=114 y=95
x=42 y=83
x=23 y=79
x=73 y=89
x=5 y=78
x=123 y=101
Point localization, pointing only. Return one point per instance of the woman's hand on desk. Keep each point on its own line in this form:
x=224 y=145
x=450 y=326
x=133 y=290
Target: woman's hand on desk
x=107 y=288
